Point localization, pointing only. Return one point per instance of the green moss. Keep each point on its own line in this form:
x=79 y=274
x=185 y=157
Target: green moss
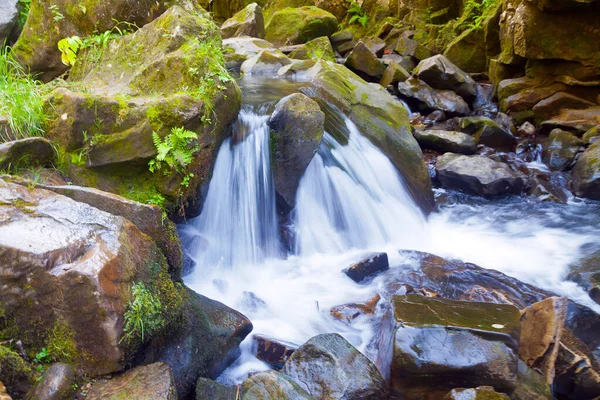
x=14 y=370
x=299 y=25
x=61 y=342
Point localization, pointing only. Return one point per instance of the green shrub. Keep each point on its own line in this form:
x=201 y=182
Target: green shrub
x=175 y=151
x=358 y=15
x=144 y=316
x=21 y=101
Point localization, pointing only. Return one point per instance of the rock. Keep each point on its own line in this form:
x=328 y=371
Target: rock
x=577 y=374
x=36 y=48
x=299 y=25
x=265 y=63
x=328 y=367
x=68 y=270
x=319 y=48
x=526 y=129
x=367 y=267
x=586 y=173
x=222 y=10
x=349 y=312
x=3 y=394
x=531 y=385
x=405 y=62
x=109 y=125
x=248 y=22
x=488 y=132
x=272 y=385
x=239 y=49
x=577 y=120
x=526 y=97
x=273 y=351
x=207 y=389
x=434 y=117
x=478 y=174
x=381 y=118
x=393 y=74
x=541 y=328
x=149 y=382
x=550 y=107
x=56 y=383
x=204 y=343
x=480 y=345
x=478 y=393
x=409 y=47
x=296 y=131
x=375 y=45
x=9 y=16
x=346 y=47
x=424 y=97
x=362 y=61
x=590 y=134
x=439 y=73
x=586 y=272
x=468 y=50
x=341 y=37
x=446 y=141
x=297 y=66
x=16 y=374
x=34 y=151
x=561 y=149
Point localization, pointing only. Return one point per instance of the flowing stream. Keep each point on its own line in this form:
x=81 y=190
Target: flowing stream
x=351 y=200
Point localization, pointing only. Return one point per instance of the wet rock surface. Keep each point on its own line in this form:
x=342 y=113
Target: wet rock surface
x=273 y=351
x=272 y=385
x=440 y=73
x=367 y=267
x=446 y=141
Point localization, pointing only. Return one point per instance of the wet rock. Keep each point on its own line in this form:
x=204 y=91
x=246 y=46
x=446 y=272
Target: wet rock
x=590 y=134
x=478 y=393
x=541 y=328
x=576 y=120
x=273 y=351
x=577 y=374
x=440 y=73
x=248 y=22
x=207 y=389
x=446 y=141
x=367 y=267
x=424 y=97
x=561 y=149
x=17 y=375
x=319 y=48
x=480 y=345
x=351 y=311
x=56 y=383
x=434 y=117
x=9 y=16
x=488 y=132
x=362 y=61
x=526 y=129
x=272 y=385
x=299 y=25
x=586 y=272
x=549 y=187
x=550 y=107
x=149 y=382
x=296 y=131
x=478 y=174
x=586 y=173
x=531 y=385
x=239 y=49
x=328 y=367
x=34 y=151
x=265 y=63
x=393 y=74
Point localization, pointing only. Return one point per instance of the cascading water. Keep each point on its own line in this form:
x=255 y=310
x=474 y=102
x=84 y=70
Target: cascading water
x=351 y=199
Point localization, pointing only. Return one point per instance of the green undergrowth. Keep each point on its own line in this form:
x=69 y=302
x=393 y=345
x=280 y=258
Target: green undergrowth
x=21 y=101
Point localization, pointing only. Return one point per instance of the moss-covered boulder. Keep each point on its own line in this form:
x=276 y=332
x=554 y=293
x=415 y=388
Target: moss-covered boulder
x=363 y=62
x=266 y=62
x=37 y=47
x=299 y=25
x=248 y=22
x=590 y=134
x=560 y=150
x=168 y=75
x=468 y=51
x=296 y=131
x=319 y=48
x=446 y=141
x=586 y=173
x=393 y=74
x=380 y=117
x=17 y=376
x=272 y=385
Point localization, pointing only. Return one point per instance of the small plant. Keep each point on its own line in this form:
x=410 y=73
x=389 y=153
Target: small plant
x=143 y=316
x=43 y=357
x=186 y=180
x=57 y=16
x=175 y=151
x=358 y=15
x=24 y=6
x=68 y=49
x=476 y=13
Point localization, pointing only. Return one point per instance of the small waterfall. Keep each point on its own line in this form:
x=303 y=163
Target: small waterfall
x=351 y=196
x=238 y=224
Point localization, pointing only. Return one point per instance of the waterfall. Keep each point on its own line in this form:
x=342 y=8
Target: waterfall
x=238 y=224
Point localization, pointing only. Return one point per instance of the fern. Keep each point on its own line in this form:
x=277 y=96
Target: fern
x=358 y=14
x=174 y=152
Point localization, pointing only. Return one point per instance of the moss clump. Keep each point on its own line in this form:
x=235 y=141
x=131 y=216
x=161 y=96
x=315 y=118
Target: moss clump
x=61 y=342
x=16 y=374
x=299 y=25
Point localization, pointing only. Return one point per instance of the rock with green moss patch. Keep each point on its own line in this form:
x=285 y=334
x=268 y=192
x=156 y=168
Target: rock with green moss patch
x=16 y=374
x=37 y=48
x=29 y=152
x=148 y=382
x=446 y=141
x=319 y=48
x=440 y=73
x=421 y=96
x=248 y=22
x=222 y=10
x=488 y=132
x=265 y=63
x=561 y=149
x=272 y=385
x=366 y=64
x=296 y=131
x=68 y=270
x=208 y=389
x=586 y=173
x=239 y=49
x=394 y=73
x=590 y=134
x=299 y=25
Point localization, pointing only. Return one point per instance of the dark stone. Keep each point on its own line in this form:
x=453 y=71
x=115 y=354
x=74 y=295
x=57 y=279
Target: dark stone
x=56 y=383
x=423 y=97
x=368 y=266
x=488 y=132
x=362 y=61
x=446 y=141
x=34 y=151
x=561 y=149
x=440 y=73
x=273 y=351
x=207 y=389
x=586 y=272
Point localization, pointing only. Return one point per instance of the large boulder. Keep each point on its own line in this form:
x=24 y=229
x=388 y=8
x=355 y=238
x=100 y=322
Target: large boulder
x=446 y=141
x=248 y=22
x=573 y=119
x=37 y=48
x=169 y=74
x=423 y=97
x=208 y=389
x=328 y=367
x=299 y=25
x=478 y=174
x=550 y=107
x=440 y=73
x=586 y=173
x=224 y=9
x=488 y=132
x=319 y=48
x=561 y=149
x=379 y=117
x=9 y=16
x=149 y=382
x=362 y=61
x=272 y=385
x=296 y=131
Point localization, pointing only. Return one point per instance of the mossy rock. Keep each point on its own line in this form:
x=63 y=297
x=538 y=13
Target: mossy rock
x=468 y=51
x=319 y=48
x=586 y=173
x=299 y=25
x=248 y=22
x=17 y=375
x=272 y=385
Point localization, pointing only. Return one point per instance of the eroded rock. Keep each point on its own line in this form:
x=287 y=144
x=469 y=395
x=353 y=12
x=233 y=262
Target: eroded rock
x=248 y=22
